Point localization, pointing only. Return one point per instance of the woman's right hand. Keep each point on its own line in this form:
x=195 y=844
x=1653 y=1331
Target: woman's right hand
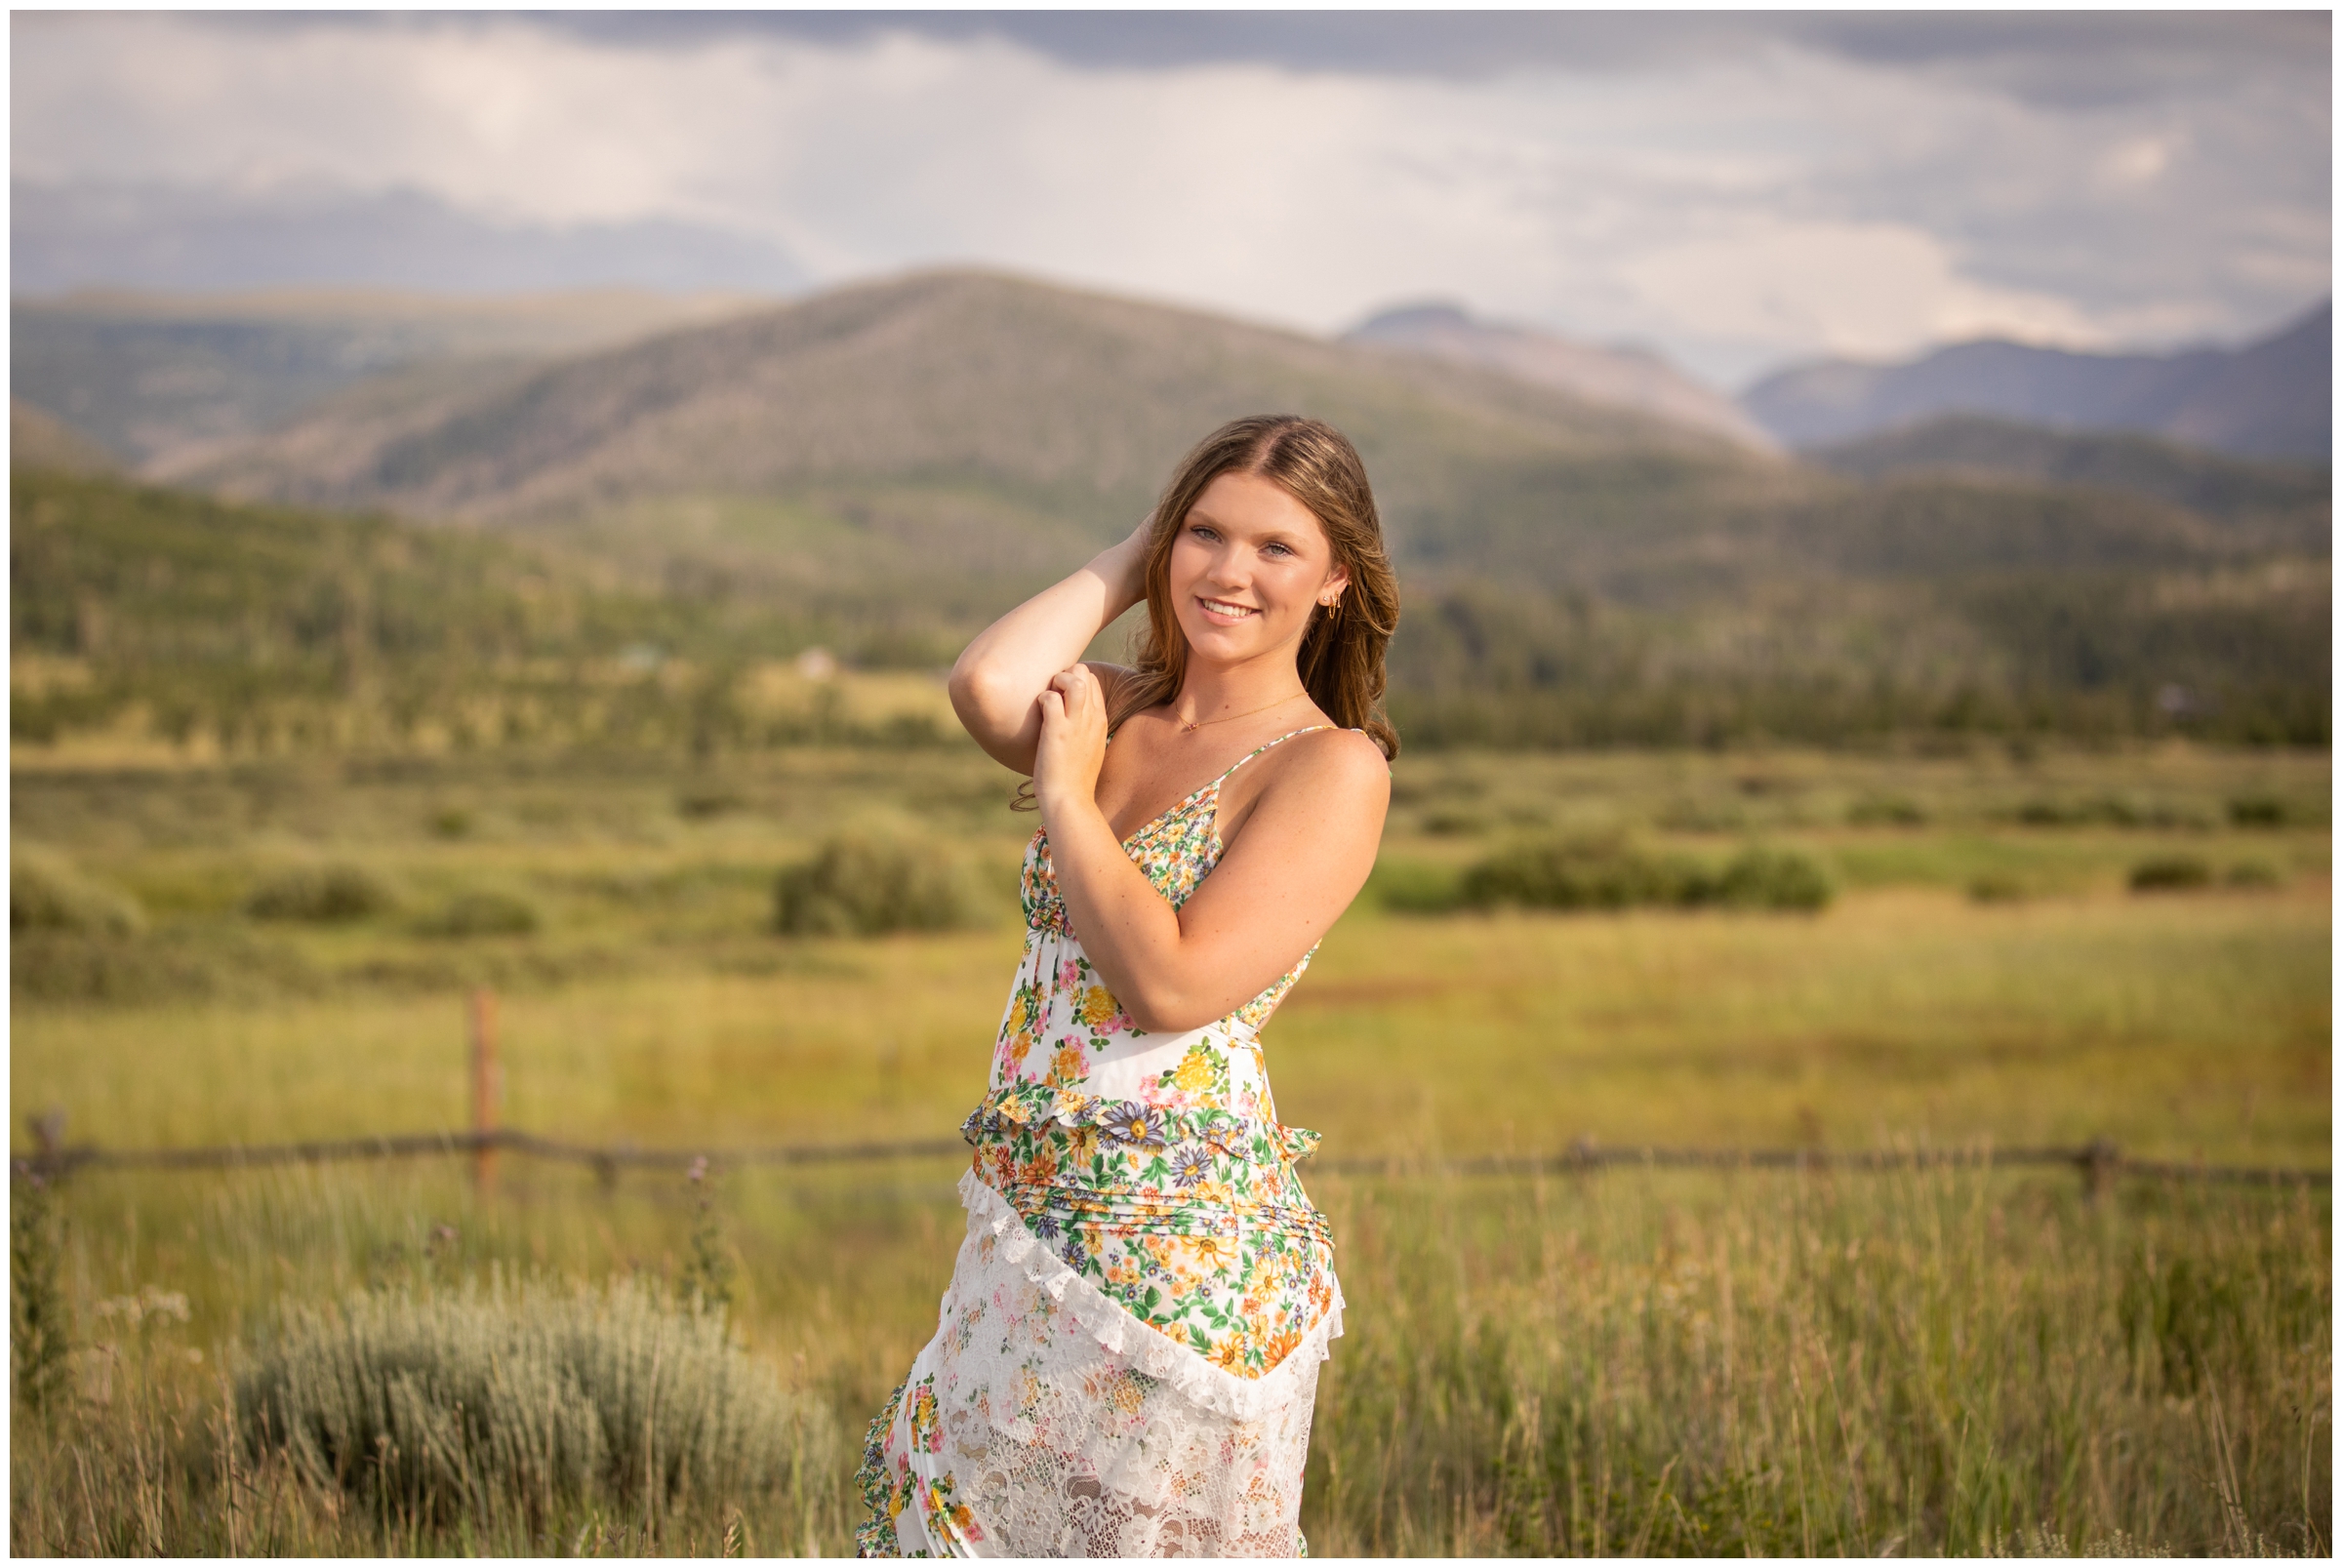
x=1072 y=749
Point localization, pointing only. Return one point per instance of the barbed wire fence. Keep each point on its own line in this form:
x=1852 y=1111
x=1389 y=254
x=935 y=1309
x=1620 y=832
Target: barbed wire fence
x=2098 y=1162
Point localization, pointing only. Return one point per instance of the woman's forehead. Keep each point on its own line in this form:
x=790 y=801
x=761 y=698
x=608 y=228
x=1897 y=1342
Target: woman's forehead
x=1248 y=503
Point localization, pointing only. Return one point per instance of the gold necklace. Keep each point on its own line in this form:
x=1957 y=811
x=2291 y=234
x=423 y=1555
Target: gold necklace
x=1189 y=726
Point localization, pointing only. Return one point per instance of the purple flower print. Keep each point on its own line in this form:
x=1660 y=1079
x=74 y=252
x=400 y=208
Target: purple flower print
x=1131 y=1122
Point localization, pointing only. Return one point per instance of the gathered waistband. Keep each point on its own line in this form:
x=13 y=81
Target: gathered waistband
x=1136 y=1123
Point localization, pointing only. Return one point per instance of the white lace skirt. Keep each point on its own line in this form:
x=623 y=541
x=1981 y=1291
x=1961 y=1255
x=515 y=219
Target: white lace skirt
x=1044 y=1421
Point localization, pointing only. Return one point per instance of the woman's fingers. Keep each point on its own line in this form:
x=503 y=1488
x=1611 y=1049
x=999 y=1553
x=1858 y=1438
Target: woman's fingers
x=1076 y=687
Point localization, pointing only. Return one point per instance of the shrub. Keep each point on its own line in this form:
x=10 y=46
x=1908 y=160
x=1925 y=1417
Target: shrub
x=698 y=805
x=1886 y=811
x=1996 y=887
x=1414 y=887
x=1574 y=873
x=322 y=895
x=45 y=894
x=858 y=886
x=2257 y=811
x=482 y=913
x=527 y=1396
x=1608 y=873
x=1772 y=879
x=2167 y=873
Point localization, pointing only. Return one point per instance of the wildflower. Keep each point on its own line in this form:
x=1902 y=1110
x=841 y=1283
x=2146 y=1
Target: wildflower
x=1190 y=1165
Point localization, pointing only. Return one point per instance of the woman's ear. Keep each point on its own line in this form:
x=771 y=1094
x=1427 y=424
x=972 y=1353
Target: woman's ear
x=1336 y=579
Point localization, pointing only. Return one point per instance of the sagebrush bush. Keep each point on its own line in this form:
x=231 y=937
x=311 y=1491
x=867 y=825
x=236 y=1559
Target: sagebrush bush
x=526 y=1397
x=2257 y=811
x=46 y=894
x=482 y=912
x=322 y=895
x=1770 y=879
x=2170 y=873
x=861 y=886
x=1608 y=873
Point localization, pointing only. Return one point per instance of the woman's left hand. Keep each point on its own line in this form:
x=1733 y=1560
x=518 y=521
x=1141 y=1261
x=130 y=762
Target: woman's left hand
x=1073 y=743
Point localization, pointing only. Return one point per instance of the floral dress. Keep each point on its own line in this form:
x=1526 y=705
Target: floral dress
x=1129 y=1350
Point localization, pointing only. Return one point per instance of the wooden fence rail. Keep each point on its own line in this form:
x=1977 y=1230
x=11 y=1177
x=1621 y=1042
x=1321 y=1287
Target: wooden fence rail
x=2098 y=1163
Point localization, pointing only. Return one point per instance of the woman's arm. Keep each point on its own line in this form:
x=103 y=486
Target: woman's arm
x=999 y=675
x=1304 y=851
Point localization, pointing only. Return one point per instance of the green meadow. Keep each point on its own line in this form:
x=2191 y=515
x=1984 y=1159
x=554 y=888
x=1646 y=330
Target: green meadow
x=1640 y=1361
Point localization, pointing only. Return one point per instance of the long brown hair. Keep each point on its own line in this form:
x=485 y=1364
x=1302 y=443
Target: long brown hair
x=1341 y=654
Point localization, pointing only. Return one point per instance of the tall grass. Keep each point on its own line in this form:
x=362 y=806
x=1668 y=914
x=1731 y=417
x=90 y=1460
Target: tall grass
x=1931 y=1363
x=1635 y=1362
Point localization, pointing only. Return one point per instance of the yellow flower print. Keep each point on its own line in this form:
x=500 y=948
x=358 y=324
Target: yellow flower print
x=1067 y=1067
x=1195 y=1070
x=1099 y=1006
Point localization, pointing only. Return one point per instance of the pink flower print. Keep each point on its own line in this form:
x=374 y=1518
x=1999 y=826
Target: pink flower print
x=1069 y=976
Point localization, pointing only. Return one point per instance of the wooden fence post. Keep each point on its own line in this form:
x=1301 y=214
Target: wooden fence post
x=487 y=1084
x=2099 y=1162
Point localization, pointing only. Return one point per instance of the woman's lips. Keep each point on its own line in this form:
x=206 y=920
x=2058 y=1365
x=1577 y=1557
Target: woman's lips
x=1222 y=609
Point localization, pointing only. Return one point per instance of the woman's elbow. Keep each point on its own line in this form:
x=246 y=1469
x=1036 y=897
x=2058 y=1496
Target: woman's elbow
x=979 y=693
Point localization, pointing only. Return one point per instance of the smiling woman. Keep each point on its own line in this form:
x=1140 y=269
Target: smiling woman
x=1128 y=1352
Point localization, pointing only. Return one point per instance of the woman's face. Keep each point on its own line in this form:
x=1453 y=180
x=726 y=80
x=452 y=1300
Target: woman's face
x=1249 y=567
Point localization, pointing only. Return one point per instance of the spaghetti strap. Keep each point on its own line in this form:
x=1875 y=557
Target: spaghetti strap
x=1306 y=729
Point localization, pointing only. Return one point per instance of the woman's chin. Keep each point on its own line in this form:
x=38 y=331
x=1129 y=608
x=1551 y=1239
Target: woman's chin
x=1224 y=644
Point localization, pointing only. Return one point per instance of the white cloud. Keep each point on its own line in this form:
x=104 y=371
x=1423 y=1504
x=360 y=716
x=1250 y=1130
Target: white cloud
x=1734 y=208
x=1860 y=289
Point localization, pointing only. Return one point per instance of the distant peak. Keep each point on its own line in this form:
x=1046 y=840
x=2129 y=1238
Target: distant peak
x=1432 y=313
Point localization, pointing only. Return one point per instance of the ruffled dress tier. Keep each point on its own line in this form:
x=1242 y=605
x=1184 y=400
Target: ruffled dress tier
x=1128 y=1350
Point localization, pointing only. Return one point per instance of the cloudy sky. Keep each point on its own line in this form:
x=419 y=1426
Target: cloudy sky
x=1738 y=189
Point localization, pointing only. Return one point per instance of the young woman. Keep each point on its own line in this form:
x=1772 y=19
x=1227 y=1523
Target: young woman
x=1129 y=1347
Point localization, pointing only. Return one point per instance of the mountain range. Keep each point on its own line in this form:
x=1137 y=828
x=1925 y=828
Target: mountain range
x=157 y=377
x=886 y=466
x=1622 y=377
x=2273 y=399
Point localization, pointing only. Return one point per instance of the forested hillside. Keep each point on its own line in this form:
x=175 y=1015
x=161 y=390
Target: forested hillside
x=882 y=470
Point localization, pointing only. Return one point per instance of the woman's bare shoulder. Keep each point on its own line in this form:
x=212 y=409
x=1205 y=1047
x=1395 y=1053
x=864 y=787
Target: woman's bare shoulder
x=1326 y=768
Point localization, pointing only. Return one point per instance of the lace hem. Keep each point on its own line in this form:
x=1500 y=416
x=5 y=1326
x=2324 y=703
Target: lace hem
x=1143 y=1347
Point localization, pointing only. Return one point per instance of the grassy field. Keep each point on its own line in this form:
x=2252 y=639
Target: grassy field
x=1949 y=1362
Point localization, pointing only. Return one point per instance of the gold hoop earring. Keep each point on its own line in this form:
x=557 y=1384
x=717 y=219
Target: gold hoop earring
x=1333 y=608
